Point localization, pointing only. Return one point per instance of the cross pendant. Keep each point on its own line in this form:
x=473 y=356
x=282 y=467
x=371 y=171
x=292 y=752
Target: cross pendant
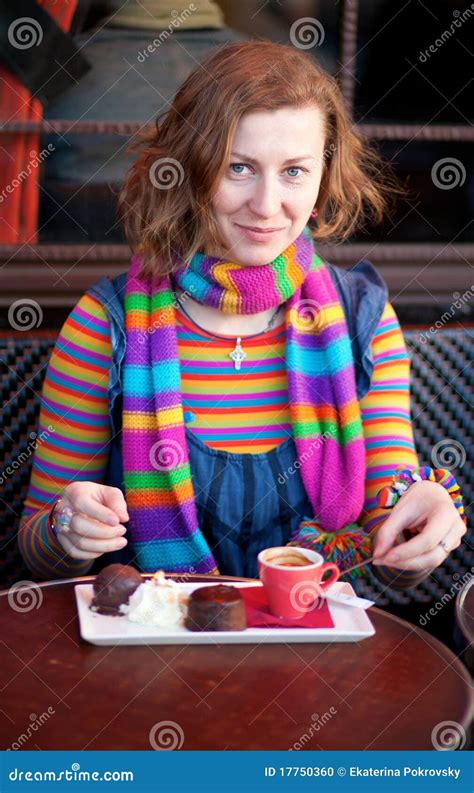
x=237 y=354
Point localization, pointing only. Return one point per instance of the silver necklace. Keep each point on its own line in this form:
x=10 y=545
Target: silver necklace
x=238 y=354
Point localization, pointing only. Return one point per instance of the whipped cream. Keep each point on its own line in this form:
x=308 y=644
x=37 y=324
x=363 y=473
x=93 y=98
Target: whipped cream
x=156 y=602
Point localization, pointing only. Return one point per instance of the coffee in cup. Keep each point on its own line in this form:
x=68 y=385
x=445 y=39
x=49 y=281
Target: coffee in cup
x=293 y=579
x=286 y=557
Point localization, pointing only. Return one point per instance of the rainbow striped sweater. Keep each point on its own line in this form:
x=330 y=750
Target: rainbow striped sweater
x=249 y=415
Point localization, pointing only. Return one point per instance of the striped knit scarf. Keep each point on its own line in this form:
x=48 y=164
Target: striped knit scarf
x=325 y=413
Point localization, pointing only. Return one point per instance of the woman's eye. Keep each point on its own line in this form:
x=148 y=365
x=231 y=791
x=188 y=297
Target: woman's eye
x=237 y=165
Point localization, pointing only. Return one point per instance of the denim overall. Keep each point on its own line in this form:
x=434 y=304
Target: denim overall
x=245 y=502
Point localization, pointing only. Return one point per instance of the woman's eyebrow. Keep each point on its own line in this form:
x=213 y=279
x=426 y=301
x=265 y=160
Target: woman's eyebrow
x=255 y=162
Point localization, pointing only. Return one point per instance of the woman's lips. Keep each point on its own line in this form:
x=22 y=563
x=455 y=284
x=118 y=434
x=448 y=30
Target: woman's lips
x=257 y=234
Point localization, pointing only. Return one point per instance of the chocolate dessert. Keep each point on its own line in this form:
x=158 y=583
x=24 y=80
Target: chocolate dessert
x=113 y=587
x=216 y=608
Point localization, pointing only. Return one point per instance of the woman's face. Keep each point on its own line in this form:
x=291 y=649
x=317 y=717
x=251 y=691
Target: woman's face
x=271 y=183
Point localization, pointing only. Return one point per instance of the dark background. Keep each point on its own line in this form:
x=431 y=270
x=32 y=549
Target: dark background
x=387 y=84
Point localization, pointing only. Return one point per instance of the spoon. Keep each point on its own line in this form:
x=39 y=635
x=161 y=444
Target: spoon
x=355 y=566
x=348 y=600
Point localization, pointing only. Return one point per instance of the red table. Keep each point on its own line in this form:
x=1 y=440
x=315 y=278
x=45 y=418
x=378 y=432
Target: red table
x=394 y=690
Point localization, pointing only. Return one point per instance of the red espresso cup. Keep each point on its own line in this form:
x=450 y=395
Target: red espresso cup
x=293 y=579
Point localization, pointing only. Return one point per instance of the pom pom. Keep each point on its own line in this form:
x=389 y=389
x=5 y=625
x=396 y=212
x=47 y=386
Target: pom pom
x=387 y=498
x=404 y=476
x=345 y=547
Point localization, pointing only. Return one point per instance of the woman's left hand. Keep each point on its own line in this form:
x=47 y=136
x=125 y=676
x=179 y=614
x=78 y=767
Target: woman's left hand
x=427 y=508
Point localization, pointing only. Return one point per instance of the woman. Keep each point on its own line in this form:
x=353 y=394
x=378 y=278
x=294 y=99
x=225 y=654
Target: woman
x=232 y=391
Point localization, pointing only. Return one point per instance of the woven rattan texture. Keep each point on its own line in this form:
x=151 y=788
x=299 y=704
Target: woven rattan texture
x=442 y=389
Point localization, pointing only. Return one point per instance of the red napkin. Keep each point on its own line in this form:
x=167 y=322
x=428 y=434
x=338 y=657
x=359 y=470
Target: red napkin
x=259 y=616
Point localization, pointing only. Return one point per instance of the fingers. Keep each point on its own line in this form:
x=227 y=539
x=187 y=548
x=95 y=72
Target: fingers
x=92 y=543
x=391 y=528
x=414 y=508
x=85 y=527
x=422 y=543
x=435 y=554
x=426 y=562
x=95 y=527
x=84 y=503
x=82 y=497
x=114 y=498
x=71 y=549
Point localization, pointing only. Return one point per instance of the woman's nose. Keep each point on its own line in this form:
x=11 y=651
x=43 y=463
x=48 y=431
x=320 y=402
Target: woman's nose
x=265 y=200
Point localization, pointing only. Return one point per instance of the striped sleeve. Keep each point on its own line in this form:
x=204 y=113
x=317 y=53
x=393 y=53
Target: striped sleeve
x=73 y=434
x=388 y=433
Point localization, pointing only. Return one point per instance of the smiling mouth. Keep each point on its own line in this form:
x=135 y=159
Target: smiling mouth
x=256 y=228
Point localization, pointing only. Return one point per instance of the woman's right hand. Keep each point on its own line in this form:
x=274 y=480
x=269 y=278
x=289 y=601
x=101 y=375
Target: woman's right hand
x=95 y=526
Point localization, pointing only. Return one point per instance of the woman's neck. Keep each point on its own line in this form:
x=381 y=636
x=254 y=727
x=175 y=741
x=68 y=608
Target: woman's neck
x=216 y=321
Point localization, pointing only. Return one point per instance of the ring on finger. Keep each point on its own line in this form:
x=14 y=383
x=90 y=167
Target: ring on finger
x=444 y=546
x=61 y=517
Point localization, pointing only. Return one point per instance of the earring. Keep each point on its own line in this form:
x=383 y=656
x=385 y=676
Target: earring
x=314 y=214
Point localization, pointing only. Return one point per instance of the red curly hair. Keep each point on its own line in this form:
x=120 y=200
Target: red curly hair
x=190 y=148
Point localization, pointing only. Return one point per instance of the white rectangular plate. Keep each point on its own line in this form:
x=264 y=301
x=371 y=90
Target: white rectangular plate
x=350 y=625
